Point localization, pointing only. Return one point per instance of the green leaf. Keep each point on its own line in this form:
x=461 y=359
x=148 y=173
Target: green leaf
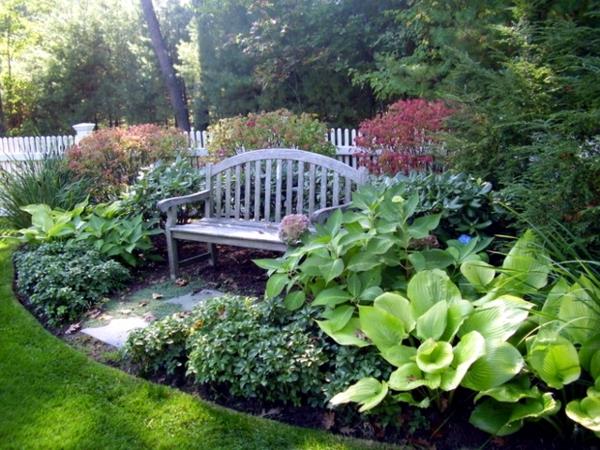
x=457 y=314
x=275 y=284
x=398 y=306
x=349 y=335
x=429 y=287
x=470 y=348
x=511 y=392
x=331 y=297
x=398 y=355
x=499 y=319
x=370 y=293
x=433 y=357
x=384 y=329
x=269 y=264
x=422 y=226
x=294 y=300
x=367 y=392
x=586 y=411
x=498 y=365
x=362 y=262
x=339 y=317
x=502 y=419
x=433 y=323
x=332 y=270
x=406 y=397
x=554 y=360
x=478 y=273
x=430 y=259
x=406 y=377
x=354 y=285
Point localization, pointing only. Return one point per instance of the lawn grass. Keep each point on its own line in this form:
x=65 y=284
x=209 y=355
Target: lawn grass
x=52 y=396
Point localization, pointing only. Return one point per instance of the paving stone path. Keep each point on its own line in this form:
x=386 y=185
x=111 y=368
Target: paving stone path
x=117 y=330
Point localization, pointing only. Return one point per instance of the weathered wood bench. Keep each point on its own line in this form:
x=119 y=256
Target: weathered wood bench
x=247 y=195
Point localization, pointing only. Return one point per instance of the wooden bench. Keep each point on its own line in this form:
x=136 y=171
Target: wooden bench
x=247 y=195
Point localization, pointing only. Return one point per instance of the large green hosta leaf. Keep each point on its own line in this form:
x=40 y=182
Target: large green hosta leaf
x=398 y=306
x=511 y=392
x=586 y=411
x=433 y=357
x=554 y=360
x=384 y=329
x=499 y=319
x=526 y=268
x=502 y=419
x=367 y=392
x=429 y=287
x=499 y=364
x=431 y=324
x=408 y=377
x=478 y=273
x=457 y=314
x=470 y=348
x=349 y=335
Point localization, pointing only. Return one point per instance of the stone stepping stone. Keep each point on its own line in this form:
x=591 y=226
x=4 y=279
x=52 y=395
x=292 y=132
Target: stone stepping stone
x=189 y=301
x=117 y=331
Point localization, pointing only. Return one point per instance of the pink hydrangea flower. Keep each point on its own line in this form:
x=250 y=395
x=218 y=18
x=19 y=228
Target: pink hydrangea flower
x=292 y=228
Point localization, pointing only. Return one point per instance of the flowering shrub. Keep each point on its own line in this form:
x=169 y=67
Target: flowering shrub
x=280 y=128
x=400 y=136
x=113 y=157
x=292 y=228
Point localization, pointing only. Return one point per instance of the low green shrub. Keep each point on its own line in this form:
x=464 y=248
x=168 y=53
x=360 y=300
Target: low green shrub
x=161 y=346
x=159 y=181
x=467 y=204
x=280 y=128
x=112 y=158
x=64 y=280
x=256 y=350
x=48 y=180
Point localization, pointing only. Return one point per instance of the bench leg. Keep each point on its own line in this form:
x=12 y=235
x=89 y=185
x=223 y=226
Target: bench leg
x=213 y=253
x=173 y=256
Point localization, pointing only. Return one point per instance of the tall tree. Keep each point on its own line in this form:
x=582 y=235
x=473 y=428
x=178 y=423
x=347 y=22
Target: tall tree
x=175 y=85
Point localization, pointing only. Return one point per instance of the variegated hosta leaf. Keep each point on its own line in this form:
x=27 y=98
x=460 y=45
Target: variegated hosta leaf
x=367 y=392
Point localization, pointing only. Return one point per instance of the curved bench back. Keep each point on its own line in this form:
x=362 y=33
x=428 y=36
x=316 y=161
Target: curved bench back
x=265 y=185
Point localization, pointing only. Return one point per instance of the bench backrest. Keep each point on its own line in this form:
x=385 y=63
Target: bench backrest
x=265 y=185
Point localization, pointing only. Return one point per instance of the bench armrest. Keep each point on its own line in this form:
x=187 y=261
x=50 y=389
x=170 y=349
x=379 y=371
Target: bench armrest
x=165 y=205
x=320 y=216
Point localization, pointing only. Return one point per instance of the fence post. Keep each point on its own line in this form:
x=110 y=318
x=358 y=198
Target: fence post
x=82 y=130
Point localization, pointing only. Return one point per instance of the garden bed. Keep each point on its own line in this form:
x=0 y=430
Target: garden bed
x=415 y=428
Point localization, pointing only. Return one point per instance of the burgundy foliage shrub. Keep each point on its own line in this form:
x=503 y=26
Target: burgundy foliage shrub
x=402 y=136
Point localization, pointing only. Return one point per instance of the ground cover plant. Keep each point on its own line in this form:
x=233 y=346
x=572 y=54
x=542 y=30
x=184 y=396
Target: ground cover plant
x=51 y=384
x=62 y=281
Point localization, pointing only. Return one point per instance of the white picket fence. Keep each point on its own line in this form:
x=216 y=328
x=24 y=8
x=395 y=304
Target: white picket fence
x=35 y=147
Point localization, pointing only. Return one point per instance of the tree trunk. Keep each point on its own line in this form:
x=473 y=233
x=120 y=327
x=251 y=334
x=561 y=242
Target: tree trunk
x=175 y=85
x=2 y=121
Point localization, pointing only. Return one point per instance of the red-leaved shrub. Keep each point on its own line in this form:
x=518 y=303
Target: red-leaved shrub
x=402 y=136
x=111 y=158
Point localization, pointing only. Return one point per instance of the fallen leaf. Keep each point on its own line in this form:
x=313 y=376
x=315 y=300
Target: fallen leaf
x=181 y=282
x=328 y=420
x=73 y=328
x=149 y=317
x=157 y=296
x=125 y=311
x=94 y=313
x=270 y=412
x=143 y=303
x=346 y=430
